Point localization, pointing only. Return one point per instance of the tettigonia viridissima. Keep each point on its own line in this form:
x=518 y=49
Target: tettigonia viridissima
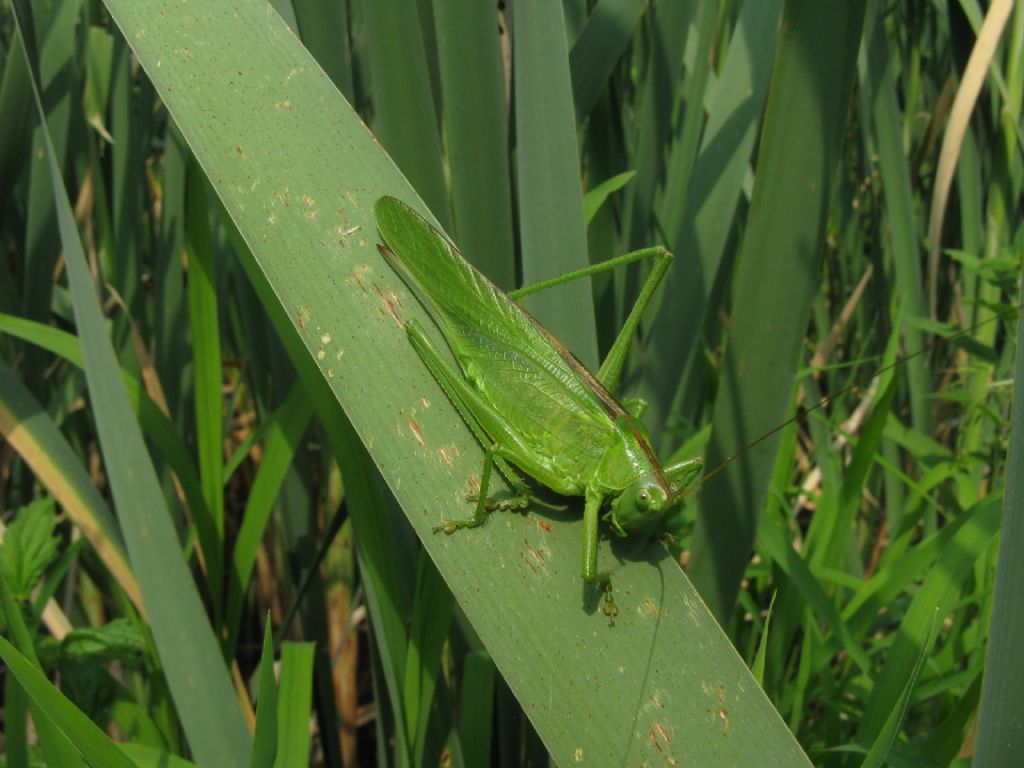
x=528 y=401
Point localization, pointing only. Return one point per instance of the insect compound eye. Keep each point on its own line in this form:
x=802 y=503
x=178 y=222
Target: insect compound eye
x=643 y=499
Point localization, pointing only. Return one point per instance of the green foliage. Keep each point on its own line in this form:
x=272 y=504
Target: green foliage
x=29 y=546
x=211 y=412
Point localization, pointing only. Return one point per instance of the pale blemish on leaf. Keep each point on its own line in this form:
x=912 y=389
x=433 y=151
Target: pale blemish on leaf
x=417 y=432
x=302 y=315
x=691 y=610
x=533 y=558
x=648 y=608
x=426 y=403
x=325 y=339
x=282 y=198
x=578 y=755
x=358 y=272
x=659 y=738
x=388 y=306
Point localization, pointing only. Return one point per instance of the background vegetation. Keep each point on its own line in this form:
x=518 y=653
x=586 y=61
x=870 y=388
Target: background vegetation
x=220 y=449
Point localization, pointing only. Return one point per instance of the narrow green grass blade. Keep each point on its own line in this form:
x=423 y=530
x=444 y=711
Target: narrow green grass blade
x=129 y=123
x=171 y=351
x=880 y=750
x=432 y=613
x=287 y=426
x=599 y=47
x=476 y=708
x=264 y=746
x=1000 y=739
x=649 y=134
x=48 y=715
x=476 y=131
x=403 y=102
x=207 y=384
x=549 y=195
x=903 y=239
x=694 y=208
x=211 y=717
x=933 y=601
x=293 y=699
x=15 y=114
x=16 y=707
x=782 y=248
x=42 y=243
x=323 y=27
x=598 y=196
x=148 y=757
x=772 y=537
x=665 y=668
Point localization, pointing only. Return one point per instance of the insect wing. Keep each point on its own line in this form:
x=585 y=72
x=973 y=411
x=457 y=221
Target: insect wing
x=510 y=358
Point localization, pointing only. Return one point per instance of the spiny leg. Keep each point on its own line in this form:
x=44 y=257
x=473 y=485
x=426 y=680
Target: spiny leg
x=611 y=369
x=591 y=510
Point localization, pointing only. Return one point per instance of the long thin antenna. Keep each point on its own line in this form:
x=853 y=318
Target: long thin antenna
x=826 y=400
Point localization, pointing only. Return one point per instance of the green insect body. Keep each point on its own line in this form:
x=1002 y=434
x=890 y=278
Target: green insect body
x=529 y=402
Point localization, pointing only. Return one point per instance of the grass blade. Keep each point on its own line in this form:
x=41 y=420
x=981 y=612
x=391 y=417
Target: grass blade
x=212 y=719
x=549 y=196
x=796 y=169
x=1000 y=739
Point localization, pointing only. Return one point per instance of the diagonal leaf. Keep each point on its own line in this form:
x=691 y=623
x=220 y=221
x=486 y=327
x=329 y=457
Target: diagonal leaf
x=298 y=173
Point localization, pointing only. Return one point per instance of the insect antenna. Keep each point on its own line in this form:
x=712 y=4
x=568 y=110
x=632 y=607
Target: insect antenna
x=696 y=487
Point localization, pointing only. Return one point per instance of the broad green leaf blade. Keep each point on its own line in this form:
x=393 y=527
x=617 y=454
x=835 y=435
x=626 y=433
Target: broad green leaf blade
x=695 y=208
x=782 y=249
x=597 y=50
x=304 y=208
x=403 y=101
x=550 y=198
x=212 y=719
x=476 y=128
x=1000 y=738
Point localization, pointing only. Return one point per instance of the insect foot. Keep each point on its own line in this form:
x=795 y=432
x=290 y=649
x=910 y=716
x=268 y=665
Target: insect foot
x=448 y=526
x=609 y=609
